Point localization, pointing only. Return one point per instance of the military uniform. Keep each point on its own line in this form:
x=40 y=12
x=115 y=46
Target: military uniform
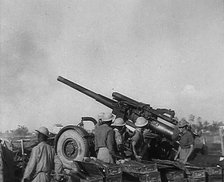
x=42 y=160
x=186 y=140
x=41 y=163
x=104 y=143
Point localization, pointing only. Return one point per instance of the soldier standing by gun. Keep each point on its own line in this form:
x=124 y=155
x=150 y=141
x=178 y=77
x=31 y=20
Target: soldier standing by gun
x=137 y=139
x=42 y=160
x=104 y=139
x=186 y=143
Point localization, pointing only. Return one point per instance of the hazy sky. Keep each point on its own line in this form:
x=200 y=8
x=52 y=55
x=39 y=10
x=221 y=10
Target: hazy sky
x=168 y=53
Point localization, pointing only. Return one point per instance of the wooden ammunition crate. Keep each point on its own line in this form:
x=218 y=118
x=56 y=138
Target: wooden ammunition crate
x=143 y=167
x=144 y=171
x=150 y=177
x=176 y=175
x=198 y=175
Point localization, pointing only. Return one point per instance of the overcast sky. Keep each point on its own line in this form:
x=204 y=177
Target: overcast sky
x=168 y=53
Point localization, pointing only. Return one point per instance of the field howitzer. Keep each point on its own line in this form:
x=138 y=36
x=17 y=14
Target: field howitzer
x=161 y=121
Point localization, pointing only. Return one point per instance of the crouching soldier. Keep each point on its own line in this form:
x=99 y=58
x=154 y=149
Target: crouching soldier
x=42 y=160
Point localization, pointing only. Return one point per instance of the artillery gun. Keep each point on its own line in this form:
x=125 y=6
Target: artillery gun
x=75 y=143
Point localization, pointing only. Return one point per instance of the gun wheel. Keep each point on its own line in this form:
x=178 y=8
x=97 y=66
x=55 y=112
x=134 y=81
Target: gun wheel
x=71 y=145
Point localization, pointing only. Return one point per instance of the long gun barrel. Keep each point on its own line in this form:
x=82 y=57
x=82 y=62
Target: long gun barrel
x=99 y=98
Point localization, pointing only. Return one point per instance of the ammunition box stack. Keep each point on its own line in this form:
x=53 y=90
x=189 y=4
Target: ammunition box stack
x=143 y=171
x=214 y=174
x=197 y=176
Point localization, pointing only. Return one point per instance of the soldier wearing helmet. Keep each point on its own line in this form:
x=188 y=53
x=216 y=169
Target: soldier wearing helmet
x=104 y=139
x=186 y=142
x=119 y=126
x=42 y=160
x=137 y=139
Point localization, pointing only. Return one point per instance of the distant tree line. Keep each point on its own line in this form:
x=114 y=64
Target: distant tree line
x=198 y=124
x=20 y=131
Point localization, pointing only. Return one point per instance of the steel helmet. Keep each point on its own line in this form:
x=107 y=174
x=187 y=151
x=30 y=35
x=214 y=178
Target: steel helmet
x=107 y=117
x=43 y=130
x=141 y=122
x=182 y=124
x=118 y=122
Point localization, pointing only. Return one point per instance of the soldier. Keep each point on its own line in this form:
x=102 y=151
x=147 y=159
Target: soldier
x=104 y=139
x=119 y=126
x=42 y=160
x=137 y=139
x=186 y=142
x=149 y=149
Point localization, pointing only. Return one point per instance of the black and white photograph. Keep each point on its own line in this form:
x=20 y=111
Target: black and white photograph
x=111 y=91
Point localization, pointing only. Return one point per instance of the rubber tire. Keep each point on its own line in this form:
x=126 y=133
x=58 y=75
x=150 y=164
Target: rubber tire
x=80 y=136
